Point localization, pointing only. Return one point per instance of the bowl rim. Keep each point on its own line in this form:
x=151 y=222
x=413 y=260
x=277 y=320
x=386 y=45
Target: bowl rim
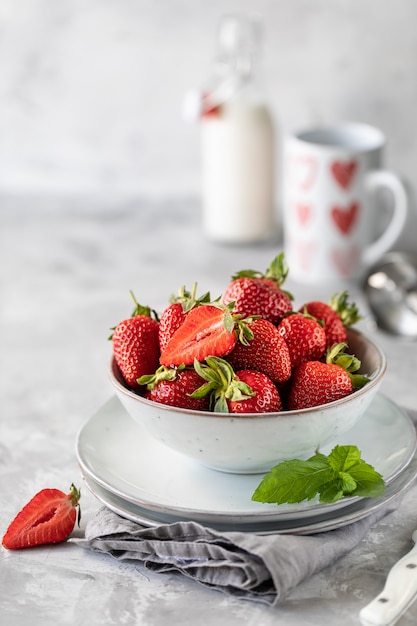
x=374 y=380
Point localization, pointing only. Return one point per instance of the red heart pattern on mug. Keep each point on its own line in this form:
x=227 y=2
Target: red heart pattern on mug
x=304 y=212
x=345 y=261
x=345 y=218
x=343 y=172
x=304 y=171
x=305 y=251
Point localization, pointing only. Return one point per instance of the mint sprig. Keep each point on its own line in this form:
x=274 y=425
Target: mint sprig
x=342 y=473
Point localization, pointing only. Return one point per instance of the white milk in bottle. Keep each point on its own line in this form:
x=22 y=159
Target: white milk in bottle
x=237 y=138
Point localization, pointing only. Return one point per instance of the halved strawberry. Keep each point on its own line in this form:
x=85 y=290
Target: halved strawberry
x=174 y=314
x=208 y=330
x=48 y=518
x=258 y=293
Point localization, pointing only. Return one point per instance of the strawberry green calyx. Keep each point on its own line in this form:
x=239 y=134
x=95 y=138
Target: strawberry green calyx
x=138 y=310
x=350 y=363
x=244 y=332
x=162 y=373
x=141 y=309
x=221 y=385
x=277 y=271
x=306 y=314
x=74 y=497
x=236 y=322
x=348 y=313
x=189 y=299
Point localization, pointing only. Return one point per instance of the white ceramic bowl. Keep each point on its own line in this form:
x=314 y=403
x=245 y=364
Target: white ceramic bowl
x=256 y=442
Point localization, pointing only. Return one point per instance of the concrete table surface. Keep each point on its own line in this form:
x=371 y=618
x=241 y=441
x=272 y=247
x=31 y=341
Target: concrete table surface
x=66 y=267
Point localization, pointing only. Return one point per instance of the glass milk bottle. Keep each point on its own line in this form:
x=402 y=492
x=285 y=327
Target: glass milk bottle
x=237 y=138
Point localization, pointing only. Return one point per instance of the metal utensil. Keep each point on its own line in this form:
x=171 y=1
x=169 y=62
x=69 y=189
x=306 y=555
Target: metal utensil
x=398 y=594
x=391 y=289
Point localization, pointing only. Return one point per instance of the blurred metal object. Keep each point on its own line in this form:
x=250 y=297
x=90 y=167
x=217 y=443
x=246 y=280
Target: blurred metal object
x=391 y=289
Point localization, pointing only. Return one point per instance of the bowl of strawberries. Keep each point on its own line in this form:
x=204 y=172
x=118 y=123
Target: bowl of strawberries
x=248 y=380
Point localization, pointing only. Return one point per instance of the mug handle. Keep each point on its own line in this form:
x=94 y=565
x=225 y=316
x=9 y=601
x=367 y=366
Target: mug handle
x=380 y=179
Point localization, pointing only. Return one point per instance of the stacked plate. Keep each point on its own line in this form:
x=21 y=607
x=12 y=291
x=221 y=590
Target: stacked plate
x=142 y=480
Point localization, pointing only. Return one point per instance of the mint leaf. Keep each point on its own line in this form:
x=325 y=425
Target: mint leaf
x=342 y=458
x=331 y=492
x=363 y=479
x=342 y=473
x=369 y=482
x=294 y=481
x=348 y=483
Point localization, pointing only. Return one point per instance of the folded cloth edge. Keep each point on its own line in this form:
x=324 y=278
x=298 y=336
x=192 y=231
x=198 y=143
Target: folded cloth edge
x=262 y=568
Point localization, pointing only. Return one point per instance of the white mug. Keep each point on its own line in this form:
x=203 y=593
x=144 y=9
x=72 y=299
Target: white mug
x=330 y=213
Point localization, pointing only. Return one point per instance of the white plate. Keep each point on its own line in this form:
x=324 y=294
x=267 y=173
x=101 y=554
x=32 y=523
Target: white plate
x=359 y=509
x=118 y=456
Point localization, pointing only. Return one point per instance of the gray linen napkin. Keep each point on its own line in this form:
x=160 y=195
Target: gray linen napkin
x=253 y=567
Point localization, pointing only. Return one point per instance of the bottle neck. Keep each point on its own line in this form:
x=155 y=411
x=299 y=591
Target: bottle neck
x=236 y=76
x=235 y=70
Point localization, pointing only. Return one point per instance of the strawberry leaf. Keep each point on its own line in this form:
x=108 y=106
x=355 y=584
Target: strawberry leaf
x=349 y=362
x=348 y=313
x=222 y=384
x=277 y=270
x=358 y=380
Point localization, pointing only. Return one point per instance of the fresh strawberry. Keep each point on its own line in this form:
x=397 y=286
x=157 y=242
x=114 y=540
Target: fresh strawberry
x=336 y=315
x=174 y=315
x=257 y=293
x=304 y=336
x=174 y=386
x=48 y=518
x=136 y=344
x=266 y=351
x=245 y=391
x=317 y=382
x=208 y=330
x=266 y=398
x=171 y=319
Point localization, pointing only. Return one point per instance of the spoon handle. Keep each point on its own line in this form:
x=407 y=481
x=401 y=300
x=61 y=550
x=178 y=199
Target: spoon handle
x=398 y=593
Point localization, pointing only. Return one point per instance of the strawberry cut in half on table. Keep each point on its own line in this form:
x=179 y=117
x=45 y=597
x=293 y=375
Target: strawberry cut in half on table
x=208 y=330
x=257 y=293
x=136 y=344
x=48 y=518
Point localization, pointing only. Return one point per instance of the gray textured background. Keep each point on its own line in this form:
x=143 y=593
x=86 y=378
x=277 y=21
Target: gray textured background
x=91 y=91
